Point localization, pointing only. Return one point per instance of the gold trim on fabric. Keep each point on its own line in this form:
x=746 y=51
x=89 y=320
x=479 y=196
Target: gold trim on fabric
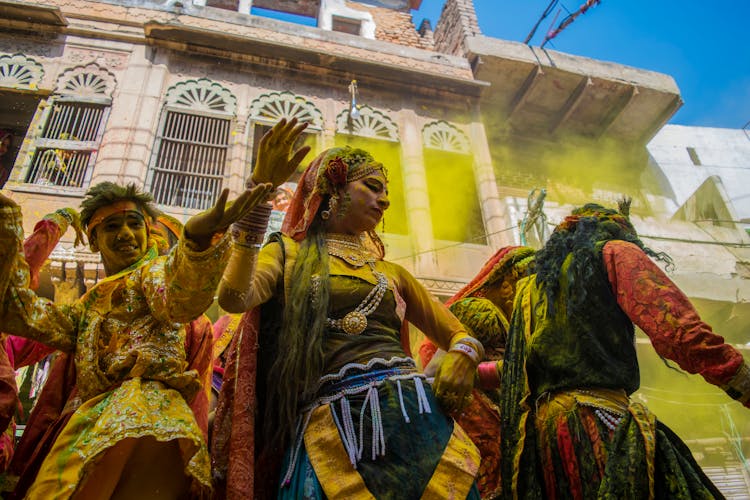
x=107 y=422
x=226 y=336
x=337 y=476
x=524 y=288
x=455 y=473
x=612 y=400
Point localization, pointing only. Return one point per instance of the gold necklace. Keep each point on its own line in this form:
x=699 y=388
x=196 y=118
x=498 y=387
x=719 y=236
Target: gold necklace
x=349 y=248
x=355 y=322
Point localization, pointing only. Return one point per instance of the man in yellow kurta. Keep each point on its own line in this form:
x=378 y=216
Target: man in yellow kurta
x=133 y=435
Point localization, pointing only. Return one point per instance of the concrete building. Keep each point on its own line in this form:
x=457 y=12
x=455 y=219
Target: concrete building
x=174 y=95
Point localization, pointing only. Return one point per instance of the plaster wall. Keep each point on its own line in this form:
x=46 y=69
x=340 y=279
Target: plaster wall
x=721 y=152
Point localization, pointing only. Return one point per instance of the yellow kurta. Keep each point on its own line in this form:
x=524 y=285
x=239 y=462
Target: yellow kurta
x=128 y=336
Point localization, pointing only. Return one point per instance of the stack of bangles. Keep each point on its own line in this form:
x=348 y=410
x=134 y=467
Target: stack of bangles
x=250 y=231
x=489 y=374
x=469 y=346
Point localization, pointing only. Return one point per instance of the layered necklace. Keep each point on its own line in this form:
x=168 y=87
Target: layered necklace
x=350 y=249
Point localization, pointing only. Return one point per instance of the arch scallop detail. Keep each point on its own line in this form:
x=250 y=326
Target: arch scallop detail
x=277 y=105
x=369 y=123
x=445 y=137
x=86 y=81
x=202 y=95
x=20 y=72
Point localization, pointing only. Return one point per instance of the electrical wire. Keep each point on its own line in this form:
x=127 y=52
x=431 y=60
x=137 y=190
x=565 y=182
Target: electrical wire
x=546 y=13
x=480 y=237
x=553 y=225
x=569 y=19
x=734 y=437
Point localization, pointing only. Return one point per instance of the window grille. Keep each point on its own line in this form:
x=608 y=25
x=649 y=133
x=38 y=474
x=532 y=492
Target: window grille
x=63 y=137
x=189 y=167
x=69 y=138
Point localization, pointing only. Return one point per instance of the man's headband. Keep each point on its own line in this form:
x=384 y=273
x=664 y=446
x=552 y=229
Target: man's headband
x=117 y=207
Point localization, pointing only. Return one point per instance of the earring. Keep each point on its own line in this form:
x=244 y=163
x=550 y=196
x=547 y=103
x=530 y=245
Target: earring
x=333 y=202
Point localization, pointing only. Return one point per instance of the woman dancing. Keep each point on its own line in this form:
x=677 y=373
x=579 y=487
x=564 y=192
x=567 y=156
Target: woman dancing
x=342 y=409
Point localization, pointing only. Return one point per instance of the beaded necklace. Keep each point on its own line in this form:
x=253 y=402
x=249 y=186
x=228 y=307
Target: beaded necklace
x=350 y=249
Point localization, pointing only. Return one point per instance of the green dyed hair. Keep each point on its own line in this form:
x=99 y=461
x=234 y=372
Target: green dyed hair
x=294 y=375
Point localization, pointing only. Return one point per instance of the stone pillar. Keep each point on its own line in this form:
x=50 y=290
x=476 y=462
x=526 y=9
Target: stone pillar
x=238 y=158
x=417 y=199
x=489 y=197
x=125 y=151
x=330 y=108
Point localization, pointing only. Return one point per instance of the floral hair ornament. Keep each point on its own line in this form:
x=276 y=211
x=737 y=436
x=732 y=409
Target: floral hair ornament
x=326 y=174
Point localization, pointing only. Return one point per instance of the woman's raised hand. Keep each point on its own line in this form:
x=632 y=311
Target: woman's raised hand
x=201 y=227
x=275 y=160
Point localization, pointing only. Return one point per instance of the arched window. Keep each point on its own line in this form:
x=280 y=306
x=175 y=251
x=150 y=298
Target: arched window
x=368 y=123
x=20 y=77
x=454 y=200
x=188 y=166
x=376 y=133
x=71 y=128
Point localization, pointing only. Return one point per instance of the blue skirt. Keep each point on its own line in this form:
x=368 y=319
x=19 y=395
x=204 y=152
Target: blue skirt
x=379 y=433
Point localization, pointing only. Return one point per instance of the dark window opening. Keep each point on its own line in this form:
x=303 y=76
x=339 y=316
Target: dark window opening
x=16 y=113
x=346 y=25
x=694 y=156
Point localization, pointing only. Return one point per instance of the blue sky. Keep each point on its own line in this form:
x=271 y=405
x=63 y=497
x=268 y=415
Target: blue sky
x=703 y=45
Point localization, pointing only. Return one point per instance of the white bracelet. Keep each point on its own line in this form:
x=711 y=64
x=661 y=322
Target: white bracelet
x=472 y=342
x=466 y=350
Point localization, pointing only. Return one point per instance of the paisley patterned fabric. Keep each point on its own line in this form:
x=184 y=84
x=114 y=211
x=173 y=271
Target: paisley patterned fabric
x=17 y=352
x=128 y=337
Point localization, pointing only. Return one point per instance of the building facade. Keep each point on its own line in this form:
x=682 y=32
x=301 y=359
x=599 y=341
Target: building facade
x=175 y=95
